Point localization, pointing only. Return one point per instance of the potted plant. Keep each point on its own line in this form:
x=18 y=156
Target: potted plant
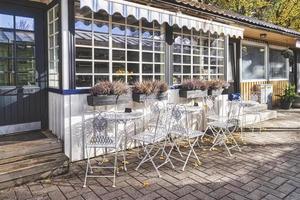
x=144 y=90
x=216 y=87
x=288 y=97
x=108 y=93
x=191 y=89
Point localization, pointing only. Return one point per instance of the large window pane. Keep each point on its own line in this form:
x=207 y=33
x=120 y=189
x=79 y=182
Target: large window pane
x=253 y=62
x=6 y=21
x=101 y=67
x=278 y=64
x=5 y=50
x=83 y=67
x=84 y=38
x=24 y=23
x=100 y=27
x=101 y=54
x=83 y=53
x=82 y=24
x=25 y=51
x=133 y=56
x=84 y=81
x=133 y=68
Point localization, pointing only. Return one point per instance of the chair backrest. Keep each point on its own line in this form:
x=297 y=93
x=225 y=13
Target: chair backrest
x=97 y=129
x=234 y=111
x=209 y=105
x=179 y=119
x=160 y=113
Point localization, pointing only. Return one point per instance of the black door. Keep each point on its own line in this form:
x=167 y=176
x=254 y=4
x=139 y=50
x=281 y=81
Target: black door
x=233 y=65
x=23 y=70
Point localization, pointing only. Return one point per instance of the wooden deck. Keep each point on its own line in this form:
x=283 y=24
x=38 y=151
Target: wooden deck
x=26 y=157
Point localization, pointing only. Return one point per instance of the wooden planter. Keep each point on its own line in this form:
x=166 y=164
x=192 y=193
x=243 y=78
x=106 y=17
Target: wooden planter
x=296 y=103
x=142 y=97
x=104 y=100
x=215 y=92
x=192 y=94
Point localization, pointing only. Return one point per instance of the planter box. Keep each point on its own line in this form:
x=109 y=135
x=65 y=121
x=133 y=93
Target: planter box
x=286 y=105
x=192 y=94
x=142 y=97
x=104 y=100
x=215 y=92
x=296 y=103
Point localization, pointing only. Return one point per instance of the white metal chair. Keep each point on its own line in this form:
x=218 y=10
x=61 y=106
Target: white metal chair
x=225 y=128
x=153 y=139
x=210 y=115
x=97 y=136
x=180 y=130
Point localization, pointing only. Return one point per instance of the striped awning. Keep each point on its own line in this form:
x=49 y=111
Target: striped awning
x=126 y=8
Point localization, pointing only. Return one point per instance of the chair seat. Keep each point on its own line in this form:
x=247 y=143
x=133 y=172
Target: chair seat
x=148 y=137
x=221 y=124
x=102 y=142
x=183 y=132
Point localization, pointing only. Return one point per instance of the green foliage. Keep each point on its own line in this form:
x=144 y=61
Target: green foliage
x=289 y=94
x=285 y=13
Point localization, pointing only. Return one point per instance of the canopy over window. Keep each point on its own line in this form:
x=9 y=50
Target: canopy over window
x=126 y=8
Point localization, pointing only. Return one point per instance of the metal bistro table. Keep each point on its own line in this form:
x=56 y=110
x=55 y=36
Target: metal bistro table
x=192 y=110
x=121 y=117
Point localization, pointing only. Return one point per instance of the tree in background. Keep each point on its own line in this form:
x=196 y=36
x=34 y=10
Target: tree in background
x=281 y=12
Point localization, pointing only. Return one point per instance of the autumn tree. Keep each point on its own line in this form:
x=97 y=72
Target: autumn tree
x=281 y=12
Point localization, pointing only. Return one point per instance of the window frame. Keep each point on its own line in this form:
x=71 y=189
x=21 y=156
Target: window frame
x=276 y=47
x=255 y=44
x=203 y=35
x=56 y=33
x=110 y=49
x=14 y=71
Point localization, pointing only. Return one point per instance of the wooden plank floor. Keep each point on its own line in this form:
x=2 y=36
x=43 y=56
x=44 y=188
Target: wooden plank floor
x=29 y=156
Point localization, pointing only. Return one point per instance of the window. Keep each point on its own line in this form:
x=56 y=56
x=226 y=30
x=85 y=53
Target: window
x=53 y=46
x=117 y=48
x=197 y=55
x=278 y=64
x=253 y=62
x=17 y=50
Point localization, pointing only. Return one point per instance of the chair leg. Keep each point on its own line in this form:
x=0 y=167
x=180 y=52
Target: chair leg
x=124 y=159
x=195 y=154
x=186 y=160
x=115 y=167
x=87 y=168
x=191 y=145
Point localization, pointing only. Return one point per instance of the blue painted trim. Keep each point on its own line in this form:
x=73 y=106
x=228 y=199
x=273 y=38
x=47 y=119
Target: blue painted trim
x=69 y=92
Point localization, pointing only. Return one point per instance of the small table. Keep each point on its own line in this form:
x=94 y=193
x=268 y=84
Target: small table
x=190 y=110
x=121 y=117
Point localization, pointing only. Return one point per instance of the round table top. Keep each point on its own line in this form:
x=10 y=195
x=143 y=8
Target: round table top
x=249 y=103
x=122 y=116
x=191 y=108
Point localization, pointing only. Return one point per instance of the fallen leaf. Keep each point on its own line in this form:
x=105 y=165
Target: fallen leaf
x=146 y=184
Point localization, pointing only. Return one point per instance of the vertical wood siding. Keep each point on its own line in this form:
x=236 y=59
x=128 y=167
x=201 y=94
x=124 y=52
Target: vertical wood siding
x=278 y=87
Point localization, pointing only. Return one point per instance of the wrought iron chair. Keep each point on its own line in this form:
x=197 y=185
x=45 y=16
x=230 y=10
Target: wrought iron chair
x=210 y=115
x=223 y=129
x=97 y=136
x=180 y=130
x=153 y=139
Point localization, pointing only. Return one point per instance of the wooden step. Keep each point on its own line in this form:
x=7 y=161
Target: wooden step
x=33 y=169
x=27 y=161
x=29 y=147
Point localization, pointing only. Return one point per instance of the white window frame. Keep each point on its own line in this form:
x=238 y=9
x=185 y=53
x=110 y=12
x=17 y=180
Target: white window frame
x=255 y=44
x=111 y=48
x=276 y=47
x=210 y=37
x=55 y=60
